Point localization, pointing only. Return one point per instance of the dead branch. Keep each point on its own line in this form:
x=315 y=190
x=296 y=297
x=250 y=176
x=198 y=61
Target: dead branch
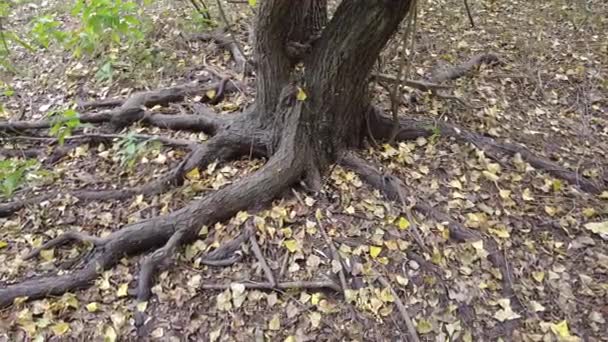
x=288 y=285
x=258 y=254
x=335 y=256
x=411 y=329
x=468 y=10
x=416 y=84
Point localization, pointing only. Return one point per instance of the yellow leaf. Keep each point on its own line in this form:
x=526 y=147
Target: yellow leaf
x=504 y=194
x=557 y=185
x=490 y=176
x=60 y=328
x=290 y=338
x=561 y=329
x=527 y=195
x=193 y=174
x=141 y=306
x=424 y=326
x=589 y=212
x=275 y=323
x=604 y=195
x=386 y=295
x=301 y=95
x=3 y=244
x=122 y=290
x=291 y=245
x=109 y=335
x=501 y=232
x=316 y=298
x=403 y=223
x=47 y=254
x=210 y=94
x=538 y=276
x=550 y=210
x=92 y=307
x=374 y=251
x=597 y=227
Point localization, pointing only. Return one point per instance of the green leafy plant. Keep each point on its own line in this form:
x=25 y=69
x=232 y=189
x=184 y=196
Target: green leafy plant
x=14 y=172
x=103 y=23
x=434 y=138
x=131 y=149
x=47 y=29
x=8 y=37
x=63 y=124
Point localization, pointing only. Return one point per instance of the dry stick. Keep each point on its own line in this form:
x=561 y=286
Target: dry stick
x=258 y=253
x=408 y=33
x=466 y=6
x=402 y=309
x=287 y=285
x=229 y=29
x=64 y=238
x=335 y=256
x=103 y=136
x=416 y=84
x=408 y=212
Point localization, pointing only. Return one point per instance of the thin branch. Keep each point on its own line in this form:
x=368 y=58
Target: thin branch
x=335 y=256
x=466 y=6
x=258 y=253
x=404 y=67
x=288 y=285
x=411 y=329
x=229 y=29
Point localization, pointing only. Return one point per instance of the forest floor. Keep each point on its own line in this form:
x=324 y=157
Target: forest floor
x=550 y=93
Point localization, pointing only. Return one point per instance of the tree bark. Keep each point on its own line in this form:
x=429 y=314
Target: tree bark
x=335 y=71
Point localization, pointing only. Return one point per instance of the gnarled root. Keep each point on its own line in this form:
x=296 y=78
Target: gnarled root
x=381 y=128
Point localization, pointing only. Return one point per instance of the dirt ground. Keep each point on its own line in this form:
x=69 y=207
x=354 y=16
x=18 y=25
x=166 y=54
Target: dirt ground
x=550 y=92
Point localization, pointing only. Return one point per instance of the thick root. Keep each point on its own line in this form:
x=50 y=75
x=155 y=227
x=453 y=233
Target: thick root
x=282 y=170
x=381 y=128
x=394 y=189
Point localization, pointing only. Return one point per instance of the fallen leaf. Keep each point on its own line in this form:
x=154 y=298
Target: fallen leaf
x=374 y=251
x=600 y=228
x=275 y=323
x=60 y=328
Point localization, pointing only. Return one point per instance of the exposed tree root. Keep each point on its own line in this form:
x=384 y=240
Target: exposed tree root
x=221 y=147
x=381 y=126
x=133 y=109
x=63 y=239
x=103 y=138
x=460 y=70
x=394 y=189
x=282 y=170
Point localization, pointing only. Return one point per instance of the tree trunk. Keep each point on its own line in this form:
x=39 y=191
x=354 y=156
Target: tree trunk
x=336 y=68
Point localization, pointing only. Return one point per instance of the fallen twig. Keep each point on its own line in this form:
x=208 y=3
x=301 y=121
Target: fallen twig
x=314 y=284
